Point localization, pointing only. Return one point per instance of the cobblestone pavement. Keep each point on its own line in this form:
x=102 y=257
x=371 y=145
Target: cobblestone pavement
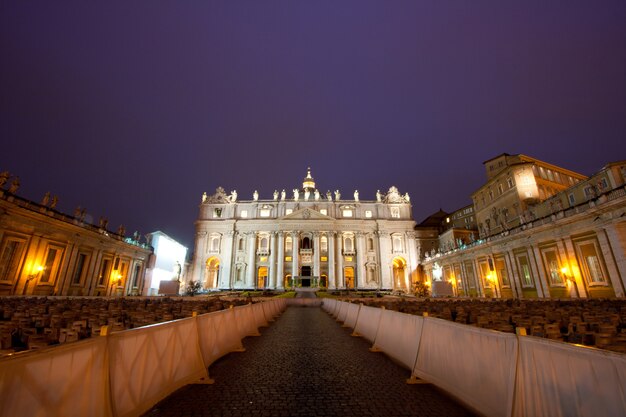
x=306 y=364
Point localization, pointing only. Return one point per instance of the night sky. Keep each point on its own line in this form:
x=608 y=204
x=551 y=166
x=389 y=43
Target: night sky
x=133 y=108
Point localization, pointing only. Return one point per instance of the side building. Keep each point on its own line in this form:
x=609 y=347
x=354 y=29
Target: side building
x=46 y=252
x=566 y=241
x=306 y=239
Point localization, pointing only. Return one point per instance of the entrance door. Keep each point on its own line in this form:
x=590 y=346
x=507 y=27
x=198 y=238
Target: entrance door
x=306 y=272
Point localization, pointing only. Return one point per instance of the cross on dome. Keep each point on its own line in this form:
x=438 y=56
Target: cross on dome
x=309 y=182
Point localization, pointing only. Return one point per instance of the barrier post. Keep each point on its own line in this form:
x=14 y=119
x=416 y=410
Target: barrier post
x=354 y=333
x=413 y=379
x=205 y=380
x=374 y=348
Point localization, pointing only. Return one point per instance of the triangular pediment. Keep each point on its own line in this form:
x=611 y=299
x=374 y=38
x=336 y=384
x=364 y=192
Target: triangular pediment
x=306 y=214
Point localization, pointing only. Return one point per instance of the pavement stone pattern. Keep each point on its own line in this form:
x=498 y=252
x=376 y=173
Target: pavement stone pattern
x=306 y=364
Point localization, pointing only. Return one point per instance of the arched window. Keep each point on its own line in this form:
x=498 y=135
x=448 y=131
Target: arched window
x=370 y=244
x=306 y=243
x=348 y=244
x=288 y=244
x=215 y=243
x=240 y=244
x=263 y=243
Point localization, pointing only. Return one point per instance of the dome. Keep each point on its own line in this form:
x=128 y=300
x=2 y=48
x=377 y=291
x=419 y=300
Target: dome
x=309 y=182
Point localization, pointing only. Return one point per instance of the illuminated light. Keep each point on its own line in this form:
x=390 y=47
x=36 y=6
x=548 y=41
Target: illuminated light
x=324 y=259
x=427 y=283
x=263 y=259
x=288 y=258
x=565 y=270
x=348 y=258
x=39 y=268
x=447 y=219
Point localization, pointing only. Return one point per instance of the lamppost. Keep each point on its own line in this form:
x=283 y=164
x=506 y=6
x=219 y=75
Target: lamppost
x=37 y=269
x=569 y=279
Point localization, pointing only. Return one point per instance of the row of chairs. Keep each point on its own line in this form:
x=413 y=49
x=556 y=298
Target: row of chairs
x=593 y=322
x=38 y=322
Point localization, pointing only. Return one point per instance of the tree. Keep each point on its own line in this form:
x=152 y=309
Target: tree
x=193 y=288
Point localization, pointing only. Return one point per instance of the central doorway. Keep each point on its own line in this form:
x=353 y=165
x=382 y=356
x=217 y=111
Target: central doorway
x=305 y=279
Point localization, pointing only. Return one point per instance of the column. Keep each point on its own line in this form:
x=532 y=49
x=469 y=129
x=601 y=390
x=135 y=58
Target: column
x=614 y=257
x=250 y=272
x=385 y=260
x=226 y=261
x=360 y=280
x=272 y=271
x=331 y=261
x=539 y=274
x=514 y=278
x=200 y=251
x=280 y=262
x=316 y=256
x=479 y=278
x=295 y=255
x=341 y=284
x=413 y=260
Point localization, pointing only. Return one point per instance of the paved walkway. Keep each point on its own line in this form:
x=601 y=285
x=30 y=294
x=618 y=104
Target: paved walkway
x=306 y=364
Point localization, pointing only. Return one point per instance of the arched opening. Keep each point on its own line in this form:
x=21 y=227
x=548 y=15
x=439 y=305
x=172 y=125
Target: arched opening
x=306 y=243
x=348 y=244
x=212 y=273
x=370 y=244
x=348 y=273
x=324 y=281
x=399 y=273
x=287 y=281
x=262 y=277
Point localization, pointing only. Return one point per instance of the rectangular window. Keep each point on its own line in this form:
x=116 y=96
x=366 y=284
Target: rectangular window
x=486 y=274
x=287 y=258
x=265 y=212
x=469 y=272
x=79 y=270
x=589 y=191
x=105 y=271
x=509 y=182
x=288 y=211
x=572 y=199
x=324 y=212
x=603 y=184
x=500 y=189
x=550 y=176
x=347 y=213
x=217 y=213
x=368 y=214
x=395 y=212
x=288 y=244
x=524 y=271
x=323 y=258
x=502 y=272
x=136 y=275
x=244 y=214
x=11 y=258
x=551 y=263
x=592 y=265
x=52 y=262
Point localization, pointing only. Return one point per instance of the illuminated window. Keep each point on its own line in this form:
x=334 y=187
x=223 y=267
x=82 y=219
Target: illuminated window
x=500 y=189
x=244 y=214
x=288 y=211
x=52 y=263
x=265 y=212
x=324 y=259
x=490 y=195
x=214 y=245
x=263 y=259
x=572 y=199
x=550 y=176
x=502 y=272
x=348 y=258
x=591 y=262
x=12 y=253
x=324 y=244
x=324 y=212
x=288 y=244
x=347 y=213
x=263 y=242
x=551 y=264
x=524 y=270
x=287 y=258
x=368 y=214
x=348 y=244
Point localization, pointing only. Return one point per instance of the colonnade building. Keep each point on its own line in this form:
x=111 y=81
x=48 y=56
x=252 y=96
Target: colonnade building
x=305 y=239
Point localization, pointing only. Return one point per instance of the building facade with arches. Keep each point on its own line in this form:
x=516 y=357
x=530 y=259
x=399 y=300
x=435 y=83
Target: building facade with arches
x=305 y=239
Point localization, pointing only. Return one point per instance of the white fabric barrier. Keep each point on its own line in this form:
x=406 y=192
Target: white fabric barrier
x=399 y=336
x=69 y=380
x=149 y=363
x=335 y=311
x=218 y=335
x=259 y=315
x=343 y=311
x=305 y=302
x=367 y=323
x=329 y=304
x=475 y=365
x=245 y=320
x=352 y=315
x=561 y=380
x=270 y=309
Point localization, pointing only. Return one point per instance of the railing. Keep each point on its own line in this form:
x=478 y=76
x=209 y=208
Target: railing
x=497 y=374
x=127 y=372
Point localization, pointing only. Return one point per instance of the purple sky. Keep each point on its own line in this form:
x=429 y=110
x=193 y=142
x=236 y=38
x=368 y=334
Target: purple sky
x=133 y=109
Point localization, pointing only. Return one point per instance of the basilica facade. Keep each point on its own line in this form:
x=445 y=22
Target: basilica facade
x=305 y=238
